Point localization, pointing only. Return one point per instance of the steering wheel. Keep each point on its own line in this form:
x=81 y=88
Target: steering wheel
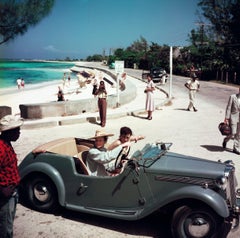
x=121 y=156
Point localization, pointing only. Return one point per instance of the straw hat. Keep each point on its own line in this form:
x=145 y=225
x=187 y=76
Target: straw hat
x=100 y=133
x=10 y=122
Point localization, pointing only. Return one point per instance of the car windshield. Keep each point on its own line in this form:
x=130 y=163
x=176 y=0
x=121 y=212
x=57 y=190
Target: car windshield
x=151 y=152
x=157 y=71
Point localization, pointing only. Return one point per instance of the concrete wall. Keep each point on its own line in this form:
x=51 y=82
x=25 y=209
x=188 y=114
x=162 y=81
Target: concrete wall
x=76 y=107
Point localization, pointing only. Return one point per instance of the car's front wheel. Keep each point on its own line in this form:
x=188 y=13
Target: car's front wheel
x=42 y=194
x=193 y=222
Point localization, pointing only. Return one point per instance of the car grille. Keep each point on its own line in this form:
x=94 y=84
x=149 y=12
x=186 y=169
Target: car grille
x=230 y=190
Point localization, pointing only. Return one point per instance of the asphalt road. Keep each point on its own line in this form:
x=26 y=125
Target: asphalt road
x=216 y=93
x=192 y=133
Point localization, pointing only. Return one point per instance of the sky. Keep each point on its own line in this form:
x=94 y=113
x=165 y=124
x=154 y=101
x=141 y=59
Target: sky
x=81 y=28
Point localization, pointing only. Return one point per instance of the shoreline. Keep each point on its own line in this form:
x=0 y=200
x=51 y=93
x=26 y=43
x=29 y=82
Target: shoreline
x=46 y=92
x=32 y=86
x=10 y=86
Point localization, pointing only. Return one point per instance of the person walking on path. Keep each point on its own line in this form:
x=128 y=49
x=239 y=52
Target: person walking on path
x=9 y=174
x=101 y=93
x=149 y=97
x=19 y=80
x=193 y=86
x=232 y=118
x=22 y=83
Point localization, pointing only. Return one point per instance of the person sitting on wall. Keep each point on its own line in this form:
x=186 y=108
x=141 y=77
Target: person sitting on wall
x=60 y=94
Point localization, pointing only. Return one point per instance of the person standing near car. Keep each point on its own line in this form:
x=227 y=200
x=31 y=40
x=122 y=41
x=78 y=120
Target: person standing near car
x=9 y=174
x=149 y=96
x=232 y=118
x=193 y=86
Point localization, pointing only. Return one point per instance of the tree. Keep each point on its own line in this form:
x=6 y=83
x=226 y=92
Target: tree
x=218 y=12
x=16 y=16
x=140 y=45
x=224 y=16
x=95 y=58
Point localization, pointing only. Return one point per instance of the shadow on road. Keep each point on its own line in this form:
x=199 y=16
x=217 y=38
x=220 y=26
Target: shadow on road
x=93 y=120
x=181 y=109
x=156 y=226
x=214 y=148
x=139 y=116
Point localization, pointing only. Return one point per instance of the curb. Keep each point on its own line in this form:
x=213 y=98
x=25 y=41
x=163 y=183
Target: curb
x=88 y=117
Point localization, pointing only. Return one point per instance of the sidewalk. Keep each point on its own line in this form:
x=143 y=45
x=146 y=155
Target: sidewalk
x=135 y=106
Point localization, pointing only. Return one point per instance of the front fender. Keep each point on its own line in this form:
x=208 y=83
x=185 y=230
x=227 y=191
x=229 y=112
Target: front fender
x=205 y=195
x=51 y=172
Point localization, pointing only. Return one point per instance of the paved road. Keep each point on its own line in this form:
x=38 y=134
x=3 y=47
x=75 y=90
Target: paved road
x=192 y=133
x=216 y=93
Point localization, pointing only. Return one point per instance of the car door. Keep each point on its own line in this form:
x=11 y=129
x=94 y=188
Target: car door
x=126 y=192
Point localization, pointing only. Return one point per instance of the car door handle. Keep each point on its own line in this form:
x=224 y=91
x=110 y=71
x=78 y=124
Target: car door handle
x=82 y=189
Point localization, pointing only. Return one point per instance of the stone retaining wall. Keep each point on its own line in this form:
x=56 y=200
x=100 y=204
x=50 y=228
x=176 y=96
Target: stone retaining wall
x=76 y=107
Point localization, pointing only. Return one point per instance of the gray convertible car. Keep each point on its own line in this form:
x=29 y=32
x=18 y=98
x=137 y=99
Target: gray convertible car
x=200 y=195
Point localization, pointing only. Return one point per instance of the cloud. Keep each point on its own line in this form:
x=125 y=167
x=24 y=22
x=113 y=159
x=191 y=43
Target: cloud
x=51 y=48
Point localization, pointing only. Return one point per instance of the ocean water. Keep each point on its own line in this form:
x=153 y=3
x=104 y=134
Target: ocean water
x=33 y=72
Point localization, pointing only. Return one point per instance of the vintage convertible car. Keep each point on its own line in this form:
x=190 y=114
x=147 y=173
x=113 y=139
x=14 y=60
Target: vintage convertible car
x=200 y=195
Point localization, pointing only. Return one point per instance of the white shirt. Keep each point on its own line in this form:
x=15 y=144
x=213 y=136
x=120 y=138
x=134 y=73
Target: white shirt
x=98 y=160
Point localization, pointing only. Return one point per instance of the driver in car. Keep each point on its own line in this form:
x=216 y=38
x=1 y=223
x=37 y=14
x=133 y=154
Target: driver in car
x=99 y=158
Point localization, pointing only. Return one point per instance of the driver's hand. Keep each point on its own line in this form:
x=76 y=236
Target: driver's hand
x=140 y=137
x=123 y=162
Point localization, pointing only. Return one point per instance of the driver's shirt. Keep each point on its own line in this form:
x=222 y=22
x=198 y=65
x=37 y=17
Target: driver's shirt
x=98 y=160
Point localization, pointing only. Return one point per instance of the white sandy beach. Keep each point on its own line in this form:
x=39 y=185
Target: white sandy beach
x=46 y=92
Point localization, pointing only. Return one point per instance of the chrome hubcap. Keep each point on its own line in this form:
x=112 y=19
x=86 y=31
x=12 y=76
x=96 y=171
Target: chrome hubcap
x=41 y=193
x=198 y=227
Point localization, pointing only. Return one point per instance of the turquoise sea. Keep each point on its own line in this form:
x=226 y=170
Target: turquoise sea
x=33 y=72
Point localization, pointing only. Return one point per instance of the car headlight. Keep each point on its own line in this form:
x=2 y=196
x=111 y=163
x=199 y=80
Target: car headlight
x=221 y=182
x=238 y=192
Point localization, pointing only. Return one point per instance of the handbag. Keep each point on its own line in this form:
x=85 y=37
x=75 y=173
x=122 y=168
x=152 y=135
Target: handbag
x=224 y=129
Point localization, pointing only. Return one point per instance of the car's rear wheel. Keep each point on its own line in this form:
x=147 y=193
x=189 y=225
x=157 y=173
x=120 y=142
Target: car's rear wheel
x=199 y=222
x=42 y=194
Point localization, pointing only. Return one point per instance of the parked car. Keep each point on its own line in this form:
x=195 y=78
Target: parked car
x=200 y=195
x=159 y=75
x=112 y=65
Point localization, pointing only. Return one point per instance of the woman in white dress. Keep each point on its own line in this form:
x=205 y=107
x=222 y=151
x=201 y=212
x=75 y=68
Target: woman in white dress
x=149 y=97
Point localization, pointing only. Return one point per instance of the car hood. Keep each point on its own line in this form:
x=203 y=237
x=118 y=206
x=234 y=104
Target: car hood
x=177 y=164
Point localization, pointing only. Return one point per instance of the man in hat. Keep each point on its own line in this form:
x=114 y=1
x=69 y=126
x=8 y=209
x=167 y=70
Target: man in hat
x=193 y=86
x=9 y=175
x=99 y=158
x=232 y=118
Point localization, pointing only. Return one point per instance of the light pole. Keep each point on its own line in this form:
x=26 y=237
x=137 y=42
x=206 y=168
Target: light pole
x=170 y=73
